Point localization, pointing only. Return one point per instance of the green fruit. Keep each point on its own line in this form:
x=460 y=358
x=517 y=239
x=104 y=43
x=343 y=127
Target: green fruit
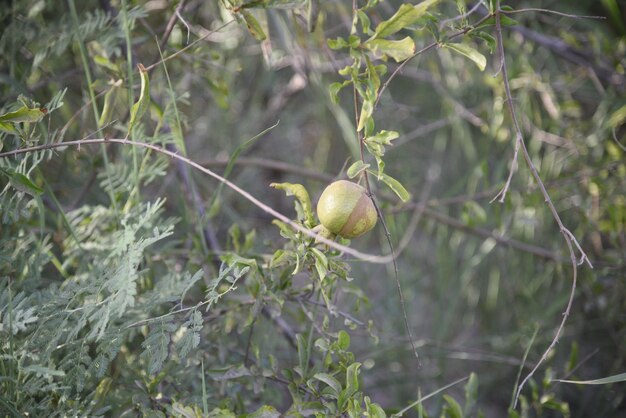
x=345 y=209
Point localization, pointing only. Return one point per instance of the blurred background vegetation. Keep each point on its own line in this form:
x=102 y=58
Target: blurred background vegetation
x=479 y=278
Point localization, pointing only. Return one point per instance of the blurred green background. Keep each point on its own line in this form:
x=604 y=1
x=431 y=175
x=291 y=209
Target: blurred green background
x=479 y=278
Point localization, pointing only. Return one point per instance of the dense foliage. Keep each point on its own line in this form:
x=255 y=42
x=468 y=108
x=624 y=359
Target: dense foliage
x=135 y=283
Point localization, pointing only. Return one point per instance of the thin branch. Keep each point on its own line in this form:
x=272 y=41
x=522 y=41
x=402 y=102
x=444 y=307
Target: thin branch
x=371 y=258
x=459 y=17
x=379 y=213
x=420 y=400
x=570 y=240
x=171 y=22
x=273 y=165
x=180 y=51
x=486 y=233
x=554 y=12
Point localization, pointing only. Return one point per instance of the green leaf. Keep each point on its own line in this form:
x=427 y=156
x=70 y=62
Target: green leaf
x=321 y=263
x=265 y=411
x=374 y=410
x=373 y=76
x=330 y=381
x=109 y=99
x=304 y=353
x=356 y=169
x=618 y=117
x=254 y=27
x=488 y=38
x=471 y=394
x=24 y=114
x=397 y=188
x=366 y=113
x=8 y=128
x=338 y=43
x=466 y=50
x=406 y=15
x=365 y=21
x=398 y=50
x=139 y=108
x=352 y=379
x=302 y=195
x=383 y=137
x=604 y=381
x=504 y=21
x=335 y=88
x=106 y=63
x=343 y=340
x=453 y=409
x=22 y=183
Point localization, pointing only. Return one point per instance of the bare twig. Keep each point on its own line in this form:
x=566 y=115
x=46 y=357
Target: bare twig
x=459 y=17
x=171 y=23
x=570 y=240
x=554 y=12
x=486 y=233
x=365 y=175
x=274 y=165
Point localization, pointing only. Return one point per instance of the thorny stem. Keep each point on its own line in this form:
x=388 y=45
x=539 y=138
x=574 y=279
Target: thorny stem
x=371 y=258
x=379 y=214
x=570 y=240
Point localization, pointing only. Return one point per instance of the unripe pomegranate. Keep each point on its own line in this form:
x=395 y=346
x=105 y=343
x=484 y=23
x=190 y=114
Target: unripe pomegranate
x=345 y=209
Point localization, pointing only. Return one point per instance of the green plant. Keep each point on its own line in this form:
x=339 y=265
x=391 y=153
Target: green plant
x=138 y=278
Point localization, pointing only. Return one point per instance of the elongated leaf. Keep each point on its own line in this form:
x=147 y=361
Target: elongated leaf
x=398 y=50
x=334 y=89
x=330 y=381
x=406 y=15
x=302 y=195
x=383 y=137
x=356 y=169
x=109 y=99
x=452 y=409
x=8 y=128
x=139 y=108
x=466 y=50
x=471 y=394
x=24 y=114
x=352 y=379
x=254 y=27
x=321 y=263
x=367 y=108
x=604 y=381
x=22 y=183
x=397 y=188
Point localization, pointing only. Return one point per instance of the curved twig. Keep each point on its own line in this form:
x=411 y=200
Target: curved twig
x=371 y=258
x=570 y=240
